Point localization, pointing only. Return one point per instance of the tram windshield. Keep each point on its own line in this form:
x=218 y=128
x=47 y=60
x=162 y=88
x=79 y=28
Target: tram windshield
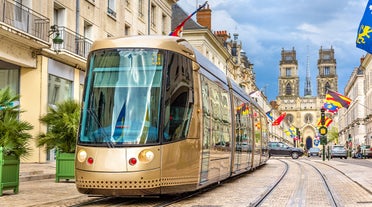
x=122 y=97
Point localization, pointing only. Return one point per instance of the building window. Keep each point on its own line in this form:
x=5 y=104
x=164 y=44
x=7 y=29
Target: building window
x=288 y=72
x=58 y=15
x=326 y=87
x=111 y=8
x=88 y=28
x=140 y=8
x=327 y=70
x=9 y=78
x=288 y=89
x=153 y=15
x=308 y=119
x=59 y=89
x=127 y=30
x=164 y=24
x=289 y=118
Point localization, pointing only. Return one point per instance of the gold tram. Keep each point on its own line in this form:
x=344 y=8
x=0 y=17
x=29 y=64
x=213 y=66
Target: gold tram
x=159 y=118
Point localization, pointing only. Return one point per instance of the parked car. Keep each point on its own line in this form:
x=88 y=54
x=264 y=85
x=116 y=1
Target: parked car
x=366 y=151
x=338 y=151
x=314 y=151
x=282 y=149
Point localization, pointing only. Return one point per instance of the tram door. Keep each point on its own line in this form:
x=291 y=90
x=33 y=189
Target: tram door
x=206 y=132
x=243 y=138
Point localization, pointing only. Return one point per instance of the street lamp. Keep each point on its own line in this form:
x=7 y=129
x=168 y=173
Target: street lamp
x=57 y=40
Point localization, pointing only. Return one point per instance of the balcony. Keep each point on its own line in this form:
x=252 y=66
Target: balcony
x=30 y=27
x=72 y=42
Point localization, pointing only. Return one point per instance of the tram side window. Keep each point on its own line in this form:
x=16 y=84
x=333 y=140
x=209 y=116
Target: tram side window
x=206 y=112
x=178 y=97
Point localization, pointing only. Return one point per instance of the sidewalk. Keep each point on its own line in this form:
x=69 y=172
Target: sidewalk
x=37 y=171
x=38 y=188
x=359 y=174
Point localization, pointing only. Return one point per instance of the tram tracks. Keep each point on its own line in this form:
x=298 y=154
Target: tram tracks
x=315 y=184
x=299 y=185
x=260 y=199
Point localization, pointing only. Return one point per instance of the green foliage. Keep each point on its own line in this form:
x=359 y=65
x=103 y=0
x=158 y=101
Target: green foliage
x=63 y=123
x=333 y=135
x=14 y=137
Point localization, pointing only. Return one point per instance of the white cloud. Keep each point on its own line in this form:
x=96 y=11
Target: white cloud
x=265 y=27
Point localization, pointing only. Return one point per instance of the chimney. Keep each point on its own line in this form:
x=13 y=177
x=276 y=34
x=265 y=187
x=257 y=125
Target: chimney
x=204 y=17
x=222 y=35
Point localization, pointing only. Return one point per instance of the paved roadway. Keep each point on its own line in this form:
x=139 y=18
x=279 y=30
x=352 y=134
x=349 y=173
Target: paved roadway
x=38 y=188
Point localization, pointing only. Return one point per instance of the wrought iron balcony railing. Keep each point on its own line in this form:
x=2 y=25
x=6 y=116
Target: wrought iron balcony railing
x=24 y=19
x=73 y=42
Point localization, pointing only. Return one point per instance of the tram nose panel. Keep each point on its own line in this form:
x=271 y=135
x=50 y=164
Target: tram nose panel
x=117 y=159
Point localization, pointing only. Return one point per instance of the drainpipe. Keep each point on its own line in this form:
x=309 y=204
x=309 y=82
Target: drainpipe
x=77 y=25
x=149 y=17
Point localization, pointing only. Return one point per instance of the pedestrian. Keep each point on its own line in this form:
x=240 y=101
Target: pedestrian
x=359 y=151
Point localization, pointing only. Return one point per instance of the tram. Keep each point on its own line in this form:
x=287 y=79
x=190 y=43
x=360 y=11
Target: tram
x=159 y=118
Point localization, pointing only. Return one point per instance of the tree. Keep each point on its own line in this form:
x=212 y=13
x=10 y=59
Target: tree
x=63 y=122
x=14 y=137
x=333 y=135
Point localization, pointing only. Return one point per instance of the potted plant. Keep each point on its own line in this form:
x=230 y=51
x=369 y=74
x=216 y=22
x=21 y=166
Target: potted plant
x=14 y=140
x=63 y=122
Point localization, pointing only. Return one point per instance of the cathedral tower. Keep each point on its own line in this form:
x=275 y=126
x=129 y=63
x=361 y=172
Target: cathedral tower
x=327 y=76
x=288 y=77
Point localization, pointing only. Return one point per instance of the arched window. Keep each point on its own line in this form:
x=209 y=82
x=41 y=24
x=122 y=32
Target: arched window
x=288 y=89
x=326 y=87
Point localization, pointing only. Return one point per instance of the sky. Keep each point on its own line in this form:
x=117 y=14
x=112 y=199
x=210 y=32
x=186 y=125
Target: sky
x=265 y=27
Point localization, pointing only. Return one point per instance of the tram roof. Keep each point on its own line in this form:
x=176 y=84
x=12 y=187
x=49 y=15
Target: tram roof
x=171 y=43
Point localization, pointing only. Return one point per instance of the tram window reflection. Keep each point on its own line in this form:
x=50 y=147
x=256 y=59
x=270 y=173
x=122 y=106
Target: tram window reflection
x=178 y=98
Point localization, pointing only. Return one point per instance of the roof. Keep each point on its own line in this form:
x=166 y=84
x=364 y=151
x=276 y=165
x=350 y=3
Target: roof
x=178 y=15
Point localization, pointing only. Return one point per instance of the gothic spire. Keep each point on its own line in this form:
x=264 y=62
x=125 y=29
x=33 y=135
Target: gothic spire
x=307 y=91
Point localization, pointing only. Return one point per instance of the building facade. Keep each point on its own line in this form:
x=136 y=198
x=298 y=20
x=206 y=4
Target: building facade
x=355 y=122
x=44 y=46
x=303 y=112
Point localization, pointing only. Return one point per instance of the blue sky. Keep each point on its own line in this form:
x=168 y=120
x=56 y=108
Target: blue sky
x=267 y=26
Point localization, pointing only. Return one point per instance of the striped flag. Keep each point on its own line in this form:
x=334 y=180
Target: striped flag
x=177 y=31
x=337 y=99
x=279 y=119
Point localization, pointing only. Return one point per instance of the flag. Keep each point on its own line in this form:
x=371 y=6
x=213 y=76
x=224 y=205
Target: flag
x=255 y=94
x=327 y=121
x=329 y=107
x=363 y=40
x=279 y=119
x=270 y=115
x=291 y=131
x=337 y=99
x=177 y=31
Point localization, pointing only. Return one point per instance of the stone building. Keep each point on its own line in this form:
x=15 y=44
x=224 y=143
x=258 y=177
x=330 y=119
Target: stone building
x=303 y=112
x=44 y=46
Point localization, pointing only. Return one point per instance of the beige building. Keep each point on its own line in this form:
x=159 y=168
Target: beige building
x=303 y=112
x=355 y=123
x=44 y=46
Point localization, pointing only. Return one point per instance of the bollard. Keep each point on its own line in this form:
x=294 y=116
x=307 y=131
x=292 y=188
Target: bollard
x=328 y=152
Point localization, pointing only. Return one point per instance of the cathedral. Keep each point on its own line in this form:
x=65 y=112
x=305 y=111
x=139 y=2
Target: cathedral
x=303 y=112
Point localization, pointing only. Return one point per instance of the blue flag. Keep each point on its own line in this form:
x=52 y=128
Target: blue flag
x=364 y=39
x=270 y=115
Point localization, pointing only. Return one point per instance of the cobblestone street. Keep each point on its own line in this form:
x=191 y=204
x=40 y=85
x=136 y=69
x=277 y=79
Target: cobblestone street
x=38 y=188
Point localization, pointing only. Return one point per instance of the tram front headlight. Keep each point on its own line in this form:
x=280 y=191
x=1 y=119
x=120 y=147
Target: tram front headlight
x=146 y=156
x=82 y=155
